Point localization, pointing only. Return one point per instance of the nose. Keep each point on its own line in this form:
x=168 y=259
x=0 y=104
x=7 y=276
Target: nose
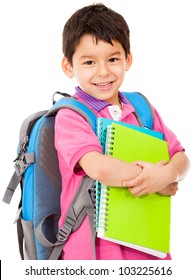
x=103 y=70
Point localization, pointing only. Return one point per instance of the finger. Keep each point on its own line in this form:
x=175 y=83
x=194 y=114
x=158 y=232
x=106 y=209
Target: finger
x=162 y=163
x=130 y=183
x=137 y=191
x=173 y=192
x=134 y=182
x=174 y=188
x=131 y=191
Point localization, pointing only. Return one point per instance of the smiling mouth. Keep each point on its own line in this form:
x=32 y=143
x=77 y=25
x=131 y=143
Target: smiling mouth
x=103 y=85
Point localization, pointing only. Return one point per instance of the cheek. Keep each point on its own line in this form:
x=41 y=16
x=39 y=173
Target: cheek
x=120 y=72
x=83 y=75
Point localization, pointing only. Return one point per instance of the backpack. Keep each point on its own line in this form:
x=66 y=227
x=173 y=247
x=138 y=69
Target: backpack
x=37 y=172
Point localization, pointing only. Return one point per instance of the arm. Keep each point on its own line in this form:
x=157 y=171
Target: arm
x=156 y=177
x=109 y=171
x=81 y=150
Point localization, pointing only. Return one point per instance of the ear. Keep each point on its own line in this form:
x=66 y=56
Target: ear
x=67 y=67
x=128 y=61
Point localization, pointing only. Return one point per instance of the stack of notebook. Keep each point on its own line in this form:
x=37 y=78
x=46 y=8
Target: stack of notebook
x=142 y=223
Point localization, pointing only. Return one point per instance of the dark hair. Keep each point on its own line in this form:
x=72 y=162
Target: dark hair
x=100 y=22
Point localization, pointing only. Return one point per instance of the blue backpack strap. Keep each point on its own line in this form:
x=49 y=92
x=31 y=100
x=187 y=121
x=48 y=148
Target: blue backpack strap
x=81 y=108
x=142 y=107
x=140 y=103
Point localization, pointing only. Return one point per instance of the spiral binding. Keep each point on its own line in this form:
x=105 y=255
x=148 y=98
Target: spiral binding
x=98 y=197
x=101 y=133
x=100 y=193
x=103 y=209
x=109 y=140
x=93 y=197
x=103 y=192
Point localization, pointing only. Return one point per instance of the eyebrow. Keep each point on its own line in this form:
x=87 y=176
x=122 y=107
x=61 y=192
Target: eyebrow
x=92 y=56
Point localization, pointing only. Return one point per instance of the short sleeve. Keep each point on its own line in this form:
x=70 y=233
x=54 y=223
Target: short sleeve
x=74 y=137
x=174 y=144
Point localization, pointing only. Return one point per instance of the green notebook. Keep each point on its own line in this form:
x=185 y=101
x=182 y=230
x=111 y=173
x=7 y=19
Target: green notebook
x=142 y=223
x=102 y=124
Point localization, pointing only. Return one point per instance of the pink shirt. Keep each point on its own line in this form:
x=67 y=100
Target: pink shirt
x=73 y=139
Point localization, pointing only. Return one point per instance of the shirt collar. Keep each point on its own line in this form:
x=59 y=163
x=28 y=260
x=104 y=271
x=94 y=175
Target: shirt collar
x=95 y=103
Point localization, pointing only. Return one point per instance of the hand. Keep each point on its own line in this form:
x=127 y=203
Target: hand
x=170 y=189
x=153 y=178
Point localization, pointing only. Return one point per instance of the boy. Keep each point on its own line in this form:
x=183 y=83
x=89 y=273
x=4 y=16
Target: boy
x=97 y=53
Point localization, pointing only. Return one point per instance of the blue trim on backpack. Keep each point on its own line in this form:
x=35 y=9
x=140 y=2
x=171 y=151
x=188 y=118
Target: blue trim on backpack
x=28 y=193
x=142 y=107
x=77 y=106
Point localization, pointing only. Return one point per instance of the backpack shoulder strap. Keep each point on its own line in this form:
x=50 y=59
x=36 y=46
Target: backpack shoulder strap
x=77 y=106
x=81 y=206
x=144 y=112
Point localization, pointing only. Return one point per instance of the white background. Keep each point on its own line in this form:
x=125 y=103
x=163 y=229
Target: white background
x=163 y=46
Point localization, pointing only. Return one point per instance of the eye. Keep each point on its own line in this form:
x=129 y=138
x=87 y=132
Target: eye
x=113 y=59
x=89 y=62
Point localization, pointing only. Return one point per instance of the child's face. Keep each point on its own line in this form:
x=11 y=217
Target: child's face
x=98 y=68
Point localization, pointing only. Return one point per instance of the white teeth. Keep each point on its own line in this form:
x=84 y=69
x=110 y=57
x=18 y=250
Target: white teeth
x=103 y=84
